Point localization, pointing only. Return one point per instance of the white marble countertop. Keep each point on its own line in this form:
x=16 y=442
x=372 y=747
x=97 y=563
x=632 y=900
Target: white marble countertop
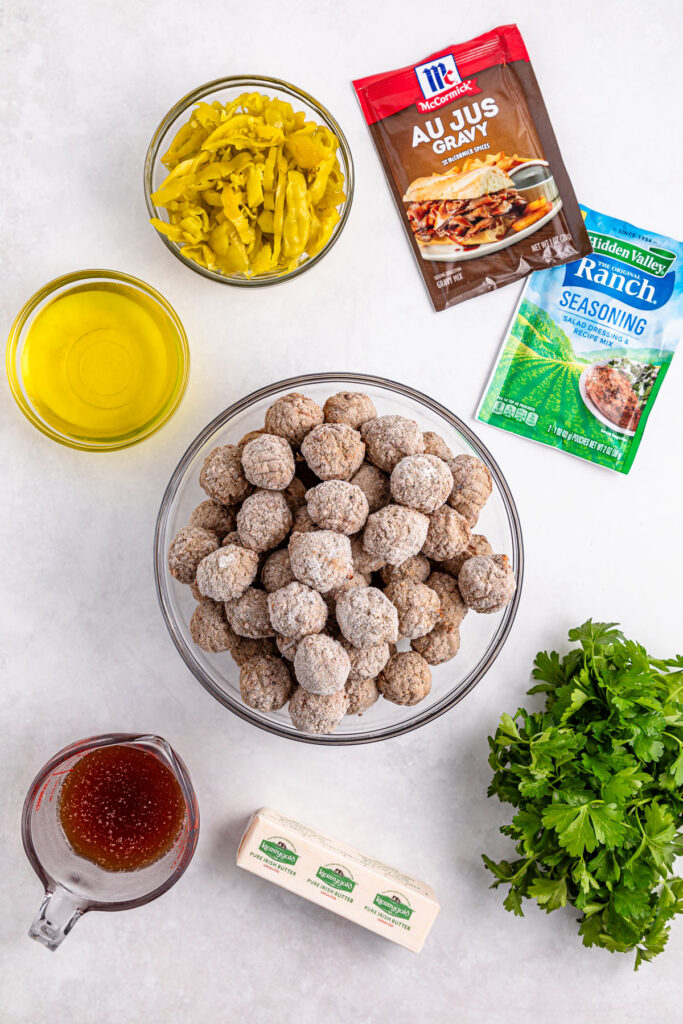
x=84 y=649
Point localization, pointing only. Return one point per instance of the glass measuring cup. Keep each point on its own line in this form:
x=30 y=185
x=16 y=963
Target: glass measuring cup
x=74 y=885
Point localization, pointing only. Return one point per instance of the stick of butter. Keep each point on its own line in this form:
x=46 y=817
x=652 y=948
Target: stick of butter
x=338 y=877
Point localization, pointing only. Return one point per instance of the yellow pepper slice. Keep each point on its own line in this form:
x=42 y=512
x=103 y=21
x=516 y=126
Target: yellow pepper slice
x=253 y=187
x=278 y=215
x=232 y=210
x=297 y=221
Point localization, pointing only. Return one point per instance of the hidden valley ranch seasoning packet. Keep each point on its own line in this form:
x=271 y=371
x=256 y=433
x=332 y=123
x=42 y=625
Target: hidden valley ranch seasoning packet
x=473 y=165
x=589 y=346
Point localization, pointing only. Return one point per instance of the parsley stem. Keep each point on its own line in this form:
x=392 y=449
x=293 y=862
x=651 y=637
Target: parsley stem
x=643 y=842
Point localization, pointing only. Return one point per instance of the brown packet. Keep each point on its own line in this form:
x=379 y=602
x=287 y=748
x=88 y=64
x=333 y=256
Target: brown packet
x=472 y=162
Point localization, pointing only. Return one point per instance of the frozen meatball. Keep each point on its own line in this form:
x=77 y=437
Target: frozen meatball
x=249 y=436
x=243 y=649
x=264 y=521
x=439 y=646
x=362 y=694
x=268 y=462
x=350 y=407
x=478 y=545
x=321 y=560
x=277 y=571
x=388 y=439
x=366 y=663
x=209 y=628
x=448 y=534
x=196 y=592
x=287 y=646
x=302 y=522
x=321 y=665
x=231 y=538
x=367 y=618
x=418 y=607
x=296 y=611
x=487 y=582
x=413 y=570
x=295 y=494
x=435 y=445
x=406 y=678
x=363 y=561
x=293 y=416
x=226 y=573
x=472 y=486
x=317 y=712
x=265 y=683
x=453 y=608
x=422 y=482
x=338 y=505
x=395 y=533
x=187 y=549
x=358 y=579
x=248 y=614
x=211 y=515
x=333 y=451
x=222 y=476
x=374 y=484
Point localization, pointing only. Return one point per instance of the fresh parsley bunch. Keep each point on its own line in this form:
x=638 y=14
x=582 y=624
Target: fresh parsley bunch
x=597 y=782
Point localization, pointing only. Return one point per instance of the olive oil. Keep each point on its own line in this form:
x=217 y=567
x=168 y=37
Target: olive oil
x=102 y=361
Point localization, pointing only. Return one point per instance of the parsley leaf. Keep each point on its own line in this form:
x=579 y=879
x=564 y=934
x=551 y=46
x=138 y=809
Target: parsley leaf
x=550 y=893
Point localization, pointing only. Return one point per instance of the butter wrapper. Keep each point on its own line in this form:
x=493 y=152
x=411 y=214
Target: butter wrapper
x=338 y=877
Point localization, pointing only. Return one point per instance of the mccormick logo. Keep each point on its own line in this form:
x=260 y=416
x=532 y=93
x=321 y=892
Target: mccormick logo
x=335 y=876
x=438 y=76
x=440 y=83
x=277 y=849
x=393 y=903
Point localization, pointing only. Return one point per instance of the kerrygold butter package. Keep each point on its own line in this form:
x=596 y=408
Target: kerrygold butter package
x=471 y=159
x=338 y=877
x=589 y=346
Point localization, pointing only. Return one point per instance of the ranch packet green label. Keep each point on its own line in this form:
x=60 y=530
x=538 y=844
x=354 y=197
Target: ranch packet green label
x=589 y=346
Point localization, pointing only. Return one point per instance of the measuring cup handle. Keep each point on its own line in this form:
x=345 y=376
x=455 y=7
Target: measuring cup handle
x=58 y=913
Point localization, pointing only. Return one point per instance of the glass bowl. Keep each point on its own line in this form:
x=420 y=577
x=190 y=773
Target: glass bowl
x=482 y=636
x=225 y=90
x=156 y=310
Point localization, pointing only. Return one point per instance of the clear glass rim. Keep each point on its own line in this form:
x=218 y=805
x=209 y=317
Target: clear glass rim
x=496 y=644
x=107 y=739
x=245 y=81
x=15 y=339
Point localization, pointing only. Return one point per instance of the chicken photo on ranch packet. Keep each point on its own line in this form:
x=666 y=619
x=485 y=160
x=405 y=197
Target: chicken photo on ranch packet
x=472 y=162
x=589 y=346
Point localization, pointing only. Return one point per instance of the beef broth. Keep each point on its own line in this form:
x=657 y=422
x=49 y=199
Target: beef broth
x=121 y=808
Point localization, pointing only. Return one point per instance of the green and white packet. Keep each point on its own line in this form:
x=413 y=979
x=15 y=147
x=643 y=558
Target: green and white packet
x=589 y=346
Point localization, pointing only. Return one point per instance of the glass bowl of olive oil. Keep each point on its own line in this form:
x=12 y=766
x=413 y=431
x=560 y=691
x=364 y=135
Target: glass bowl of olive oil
x=97 y=360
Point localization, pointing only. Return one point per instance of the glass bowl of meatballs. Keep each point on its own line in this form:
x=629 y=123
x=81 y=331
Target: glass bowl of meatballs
x=338 y=558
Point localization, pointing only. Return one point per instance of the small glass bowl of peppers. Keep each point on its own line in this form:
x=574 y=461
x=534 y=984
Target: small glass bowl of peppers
x=248 y=180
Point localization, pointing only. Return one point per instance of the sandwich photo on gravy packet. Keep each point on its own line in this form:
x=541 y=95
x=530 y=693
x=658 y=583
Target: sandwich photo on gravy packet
x=473 y=165
x=455 y=212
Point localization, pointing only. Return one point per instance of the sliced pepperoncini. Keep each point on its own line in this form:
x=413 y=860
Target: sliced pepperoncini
x=253 y=187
